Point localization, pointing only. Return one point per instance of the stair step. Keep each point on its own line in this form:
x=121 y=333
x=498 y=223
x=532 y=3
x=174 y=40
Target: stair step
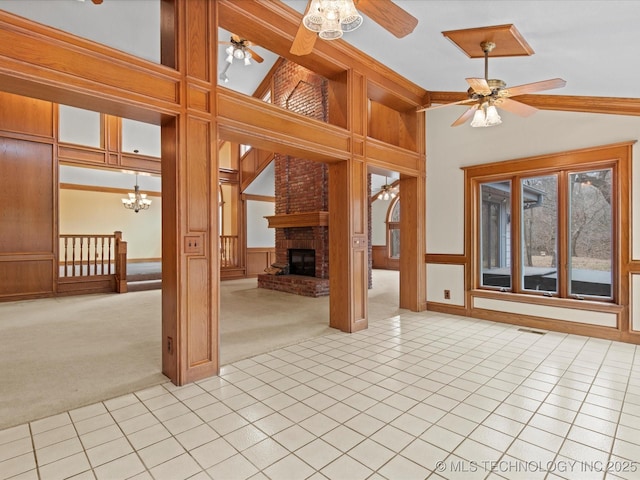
x=139 y=277
x=140 y=286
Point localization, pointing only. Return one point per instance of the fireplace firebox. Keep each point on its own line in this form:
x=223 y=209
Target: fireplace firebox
x=302 y=262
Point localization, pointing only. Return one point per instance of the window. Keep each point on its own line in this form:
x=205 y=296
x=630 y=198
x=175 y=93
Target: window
x=495 y=239
x=547 y=231
x=393 y=225
x=539 y=227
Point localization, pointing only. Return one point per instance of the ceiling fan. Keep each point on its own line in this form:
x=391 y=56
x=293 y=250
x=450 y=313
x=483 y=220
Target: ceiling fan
x=486 y=94
x=238 y=49
x=328 y=19
x=388 y=191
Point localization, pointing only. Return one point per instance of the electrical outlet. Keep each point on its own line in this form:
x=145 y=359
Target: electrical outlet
x=447 y=294
x=170 y=345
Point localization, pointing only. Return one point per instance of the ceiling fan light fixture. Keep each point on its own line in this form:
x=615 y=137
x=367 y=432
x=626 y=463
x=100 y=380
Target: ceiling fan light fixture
x=313 y=19
x=478 y=118
x=486 y=116
x=330 y=29
x=387 y=192
x=330 y=18
x=492 y=117
x=350 y=19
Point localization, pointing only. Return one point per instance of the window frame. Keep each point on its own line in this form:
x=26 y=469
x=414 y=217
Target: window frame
x=392 y=225
x=569 y=162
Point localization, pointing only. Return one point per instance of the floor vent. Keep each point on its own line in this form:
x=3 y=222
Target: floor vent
x=528 y=330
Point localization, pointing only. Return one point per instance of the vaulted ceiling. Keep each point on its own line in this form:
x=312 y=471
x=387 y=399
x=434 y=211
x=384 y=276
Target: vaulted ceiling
x=592 y=44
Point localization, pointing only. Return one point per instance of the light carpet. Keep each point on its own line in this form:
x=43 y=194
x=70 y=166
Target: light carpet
x=67 y=352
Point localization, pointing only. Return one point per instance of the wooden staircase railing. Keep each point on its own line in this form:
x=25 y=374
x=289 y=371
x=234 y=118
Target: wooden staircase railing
x=229 y=251
x=92 y=263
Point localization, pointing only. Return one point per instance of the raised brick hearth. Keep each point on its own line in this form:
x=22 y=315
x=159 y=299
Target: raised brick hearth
x=298 y=284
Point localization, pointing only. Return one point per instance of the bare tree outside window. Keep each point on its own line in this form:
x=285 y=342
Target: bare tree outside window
x=590 y=233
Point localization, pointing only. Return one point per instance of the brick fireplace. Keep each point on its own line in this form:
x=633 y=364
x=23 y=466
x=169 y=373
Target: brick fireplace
x=301 y=191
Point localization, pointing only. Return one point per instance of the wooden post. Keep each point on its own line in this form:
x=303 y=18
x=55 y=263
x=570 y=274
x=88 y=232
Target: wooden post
x=190 y=254
x=413 y=270
x=120 y=252
x=348 y=252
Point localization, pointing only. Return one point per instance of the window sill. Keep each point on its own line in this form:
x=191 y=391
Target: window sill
x=590 y=305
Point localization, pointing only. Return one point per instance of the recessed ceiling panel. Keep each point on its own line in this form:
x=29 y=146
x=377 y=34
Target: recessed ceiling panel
x=509 y=42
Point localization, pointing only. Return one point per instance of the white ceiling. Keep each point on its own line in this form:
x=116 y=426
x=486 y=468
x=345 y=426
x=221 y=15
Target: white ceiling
x=592 y=44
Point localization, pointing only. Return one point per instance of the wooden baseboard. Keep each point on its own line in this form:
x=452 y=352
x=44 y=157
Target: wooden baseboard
x=446 y=308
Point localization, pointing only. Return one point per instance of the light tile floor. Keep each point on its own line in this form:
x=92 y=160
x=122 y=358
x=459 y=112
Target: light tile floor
x=415 y=396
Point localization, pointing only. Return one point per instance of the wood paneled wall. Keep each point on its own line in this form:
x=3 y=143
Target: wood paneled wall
x=28 y=217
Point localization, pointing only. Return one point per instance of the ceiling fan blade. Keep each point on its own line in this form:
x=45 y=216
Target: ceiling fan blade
x=255 y=56
x=389 y=16
x=513 y=106
x=97 y=2
x=479 y=85
x=533 y=87
x=433 y=107
x=305 y=39
x=466 y=115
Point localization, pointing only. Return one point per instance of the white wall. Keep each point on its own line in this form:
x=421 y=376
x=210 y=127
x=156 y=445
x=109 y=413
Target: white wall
x=450 y=148
x=130 y=26
x=86 y=212
x=379 y=209
x=258 y=235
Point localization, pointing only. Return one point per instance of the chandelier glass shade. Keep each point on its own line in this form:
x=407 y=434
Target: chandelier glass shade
x=486 y=116
x=137 y=201
x=330 y=18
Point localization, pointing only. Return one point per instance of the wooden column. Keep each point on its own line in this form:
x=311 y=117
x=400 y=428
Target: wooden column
x=190 y=270
x=413 y=270
x=348 y=257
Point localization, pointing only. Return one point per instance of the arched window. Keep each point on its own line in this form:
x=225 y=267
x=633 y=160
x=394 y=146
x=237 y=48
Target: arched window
x=393 y=229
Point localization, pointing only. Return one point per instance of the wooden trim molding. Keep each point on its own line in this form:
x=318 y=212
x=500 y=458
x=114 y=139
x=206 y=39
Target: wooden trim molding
x=571 y=303
x=446 y=258
x=97 y=189
x=447 y=308
x=102 y=78
x=258 y=198
x=567 y=103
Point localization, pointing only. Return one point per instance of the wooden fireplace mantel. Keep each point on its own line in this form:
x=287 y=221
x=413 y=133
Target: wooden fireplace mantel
x=305 y=219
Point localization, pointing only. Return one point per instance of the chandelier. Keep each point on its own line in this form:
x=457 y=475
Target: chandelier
x=387 y=192
x=486 y=116
x=330 y=18
x=137 y=201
